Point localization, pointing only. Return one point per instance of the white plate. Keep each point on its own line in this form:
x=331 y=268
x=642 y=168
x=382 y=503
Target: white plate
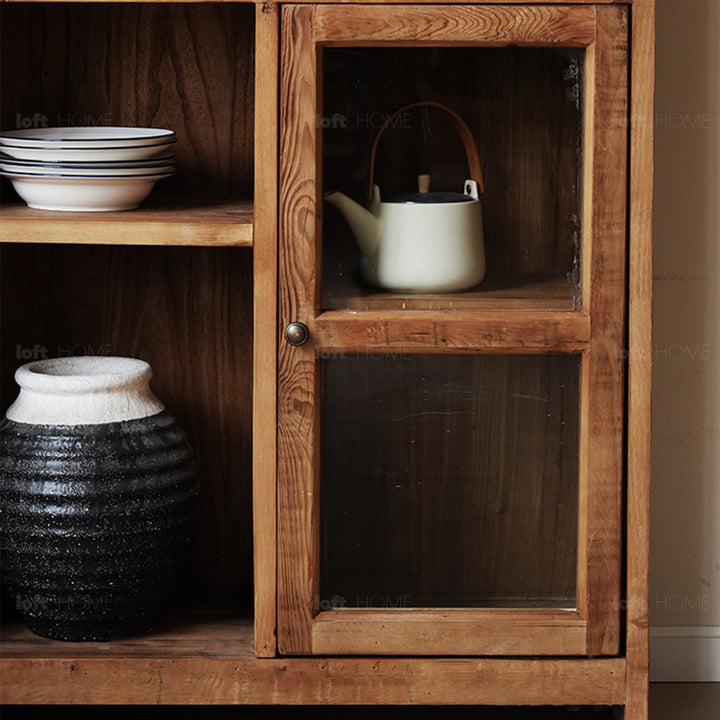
x=84 y=194
x=126 y=154
x=162 y=159
x=86 y=137
x=63 y=171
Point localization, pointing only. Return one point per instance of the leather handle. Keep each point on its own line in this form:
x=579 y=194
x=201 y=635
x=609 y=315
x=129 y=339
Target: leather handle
x=463 y=131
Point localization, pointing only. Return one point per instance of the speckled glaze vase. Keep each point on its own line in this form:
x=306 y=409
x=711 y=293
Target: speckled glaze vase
x=97 y=499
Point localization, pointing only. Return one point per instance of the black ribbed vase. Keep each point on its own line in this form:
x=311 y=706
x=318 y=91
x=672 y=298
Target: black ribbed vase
x=97 y=517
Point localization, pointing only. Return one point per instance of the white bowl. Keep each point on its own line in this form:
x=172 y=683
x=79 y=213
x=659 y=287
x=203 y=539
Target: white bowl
x=86 y=137
x=82 y=171
x=83 y=194
x=88 y=154
x=165 y=158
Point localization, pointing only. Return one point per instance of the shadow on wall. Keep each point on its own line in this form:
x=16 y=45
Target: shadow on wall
x=685 y=516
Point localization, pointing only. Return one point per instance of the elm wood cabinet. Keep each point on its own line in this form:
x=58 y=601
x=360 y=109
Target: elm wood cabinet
x=448 y=492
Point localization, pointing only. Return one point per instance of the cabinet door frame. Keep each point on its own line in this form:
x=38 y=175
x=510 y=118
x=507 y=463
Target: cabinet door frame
x=597 y=332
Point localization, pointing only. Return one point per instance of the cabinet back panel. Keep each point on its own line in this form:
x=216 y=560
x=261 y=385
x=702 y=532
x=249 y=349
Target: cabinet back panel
x=449 y=480
x=188 y=67
x=186 y=311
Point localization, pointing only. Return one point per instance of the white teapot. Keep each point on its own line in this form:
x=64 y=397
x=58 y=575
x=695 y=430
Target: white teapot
x=420 y=241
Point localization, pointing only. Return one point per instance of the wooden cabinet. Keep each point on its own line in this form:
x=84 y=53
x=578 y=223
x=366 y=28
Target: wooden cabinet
x=436 y=498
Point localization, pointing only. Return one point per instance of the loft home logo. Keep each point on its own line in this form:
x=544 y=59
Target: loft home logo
x=36 y=352
x=40 y=120
x=40 y=352
x=26 y=122
x=364 y=121
x=64 y=603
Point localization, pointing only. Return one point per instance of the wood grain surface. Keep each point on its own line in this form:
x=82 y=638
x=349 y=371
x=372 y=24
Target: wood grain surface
x=202 y=222
x=188 y=67
x=640 y=282
x=602 y=378
x=212 y=664
x=526 y=332
x=265 y=251
x=298 y=281
x=487 y=25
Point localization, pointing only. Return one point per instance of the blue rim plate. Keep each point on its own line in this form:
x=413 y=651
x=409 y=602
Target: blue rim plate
x=66 y=176
x=85 y=137
x=155 y=161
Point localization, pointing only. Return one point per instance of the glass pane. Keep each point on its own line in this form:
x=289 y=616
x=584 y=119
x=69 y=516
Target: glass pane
x=449 y=481
x=524 y=107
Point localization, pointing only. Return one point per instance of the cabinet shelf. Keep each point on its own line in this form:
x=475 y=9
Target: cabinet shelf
x=205 y=634
x=209 y=658
x=498 y=331
x=517 y=293
x=218 y=222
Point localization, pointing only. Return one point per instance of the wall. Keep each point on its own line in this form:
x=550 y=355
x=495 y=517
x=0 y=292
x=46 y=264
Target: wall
x=685 y=515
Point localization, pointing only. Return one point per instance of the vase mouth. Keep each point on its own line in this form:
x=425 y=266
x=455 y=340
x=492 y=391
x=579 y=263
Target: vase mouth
x=82 y=373
x=84 y=390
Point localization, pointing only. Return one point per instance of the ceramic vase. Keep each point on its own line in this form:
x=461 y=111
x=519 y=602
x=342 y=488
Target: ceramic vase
x=98 y=499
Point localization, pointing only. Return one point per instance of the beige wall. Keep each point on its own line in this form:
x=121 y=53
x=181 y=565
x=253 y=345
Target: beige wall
x=685 y=515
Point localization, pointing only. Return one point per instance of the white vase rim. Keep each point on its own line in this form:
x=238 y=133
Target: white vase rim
x=82 y=373
x=82 y=390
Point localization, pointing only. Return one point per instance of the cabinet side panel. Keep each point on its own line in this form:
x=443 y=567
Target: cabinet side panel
x=265 y=347
x=640 y=356
x=603 y=366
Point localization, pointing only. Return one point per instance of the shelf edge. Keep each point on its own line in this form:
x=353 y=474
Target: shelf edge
x=209 y=225
x=314 y=681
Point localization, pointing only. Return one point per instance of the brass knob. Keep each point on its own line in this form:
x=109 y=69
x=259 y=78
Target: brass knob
x=296 y=333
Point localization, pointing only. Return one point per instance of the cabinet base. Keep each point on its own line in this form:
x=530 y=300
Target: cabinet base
x=209 y=660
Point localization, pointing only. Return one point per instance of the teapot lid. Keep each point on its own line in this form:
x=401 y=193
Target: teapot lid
x=427 y=198
x=423 y=196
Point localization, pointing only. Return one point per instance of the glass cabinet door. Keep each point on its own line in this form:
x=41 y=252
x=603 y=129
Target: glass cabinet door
x=451 y=461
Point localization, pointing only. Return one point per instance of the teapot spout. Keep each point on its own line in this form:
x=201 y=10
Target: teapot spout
x=363 y=224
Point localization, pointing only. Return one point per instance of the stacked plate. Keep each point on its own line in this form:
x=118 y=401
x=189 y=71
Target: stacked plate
x=86 y=168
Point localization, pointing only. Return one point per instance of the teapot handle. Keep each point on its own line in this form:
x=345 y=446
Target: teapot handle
x=460 y=125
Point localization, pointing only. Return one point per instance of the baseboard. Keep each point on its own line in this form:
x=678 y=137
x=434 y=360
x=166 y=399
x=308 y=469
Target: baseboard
x=684 y=654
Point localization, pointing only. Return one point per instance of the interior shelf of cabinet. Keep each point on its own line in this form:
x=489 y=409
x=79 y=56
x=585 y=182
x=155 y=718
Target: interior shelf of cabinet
x=531 y=292
x=159 y=222
x=206 y=634
x=208 y=659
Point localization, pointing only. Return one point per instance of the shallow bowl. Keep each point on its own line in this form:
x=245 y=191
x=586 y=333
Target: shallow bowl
x=82 y=171
x=162 y=159
x=85 y=154
x=83 y=194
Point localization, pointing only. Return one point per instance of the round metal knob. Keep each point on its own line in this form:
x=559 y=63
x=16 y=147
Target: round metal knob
x=296 y=333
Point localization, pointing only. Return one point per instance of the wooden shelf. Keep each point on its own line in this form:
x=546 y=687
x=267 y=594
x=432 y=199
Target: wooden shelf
x=214 y=222
x=426 y=331
x=187 y=635
x=208 y=659
x=517 y=293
